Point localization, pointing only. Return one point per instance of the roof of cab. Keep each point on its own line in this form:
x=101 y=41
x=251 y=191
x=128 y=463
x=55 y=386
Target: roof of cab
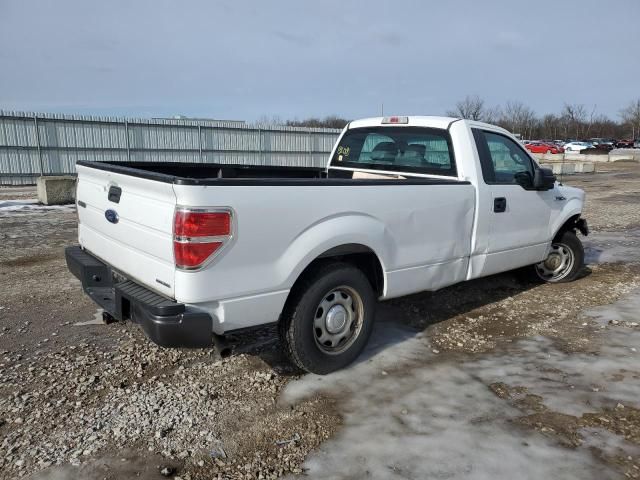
x=416 y=121
x=422 y=121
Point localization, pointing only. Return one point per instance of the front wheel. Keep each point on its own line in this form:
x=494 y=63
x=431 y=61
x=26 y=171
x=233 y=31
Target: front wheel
x=565 y=260
x=328 y=318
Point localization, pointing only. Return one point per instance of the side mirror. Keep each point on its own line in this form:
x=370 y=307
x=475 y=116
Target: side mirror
x=543 y=179
x=524 y=180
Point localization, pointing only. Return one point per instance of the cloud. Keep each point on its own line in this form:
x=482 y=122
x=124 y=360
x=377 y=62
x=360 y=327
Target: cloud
x=293 y=58
x=391 y=39
x=293 y=39
x=510 y=40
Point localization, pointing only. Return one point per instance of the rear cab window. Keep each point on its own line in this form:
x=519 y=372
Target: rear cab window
x=397 y=149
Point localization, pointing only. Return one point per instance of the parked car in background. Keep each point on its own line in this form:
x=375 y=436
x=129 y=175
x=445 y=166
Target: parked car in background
x=636 y=144
x=604 y=147
x=577 y=146
x=602 y=144
x=543 y=147
x=628 y=143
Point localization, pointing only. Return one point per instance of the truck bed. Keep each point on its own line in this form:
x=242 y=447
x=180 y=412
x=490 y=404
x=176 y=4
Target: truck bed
x=180 y=173
x=419 y=227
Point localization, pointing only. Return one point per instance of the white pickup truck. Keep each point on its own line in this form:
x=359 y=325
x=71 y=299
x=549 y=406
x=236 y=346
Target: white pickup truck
x=406 y=204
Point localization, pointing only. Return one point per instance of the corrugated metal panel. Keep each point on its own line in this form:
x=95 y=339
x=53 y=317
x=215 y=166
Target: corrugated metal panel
x=19 y=132
x=35 y=143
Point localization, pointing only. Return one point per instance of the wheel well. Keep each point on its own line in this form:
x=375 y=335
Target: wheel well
x=358 y=255
x=570 y=224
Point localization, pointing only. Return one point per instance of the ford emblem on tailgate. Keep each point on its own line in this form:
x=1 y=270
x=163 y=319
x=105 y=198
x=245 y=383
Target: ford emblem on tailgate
x=111 y=216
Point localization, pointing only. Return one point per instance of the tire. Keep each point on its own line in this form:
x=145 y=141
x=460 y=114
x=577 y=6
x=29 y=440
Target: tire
x=565 y=248
x=320 y=329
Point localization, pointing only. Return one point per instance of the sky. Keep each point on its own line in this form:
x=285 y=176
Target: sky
x=287 y=59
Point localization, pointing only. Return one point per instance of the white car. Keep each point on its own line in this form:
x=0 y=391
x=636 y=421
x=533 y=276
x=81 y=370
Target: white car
x=192 y=252
x=577 y=146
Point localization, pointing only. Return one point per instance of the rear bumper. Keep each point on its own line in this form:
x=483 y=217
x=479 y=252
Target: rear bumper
x=165 y=322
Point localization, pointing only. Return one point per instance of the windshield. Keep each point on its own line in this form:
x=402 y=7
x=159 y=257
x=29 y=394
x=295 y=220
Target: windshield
x=410 y=149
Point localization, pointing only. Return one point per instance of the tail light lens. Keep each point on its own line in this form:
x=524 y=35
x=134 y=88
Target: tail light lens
x=199 y=235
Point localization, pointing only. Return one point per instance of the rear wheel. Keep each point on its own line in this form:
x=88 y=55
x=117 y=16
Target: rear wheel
x=328 y=318
x=565 y=259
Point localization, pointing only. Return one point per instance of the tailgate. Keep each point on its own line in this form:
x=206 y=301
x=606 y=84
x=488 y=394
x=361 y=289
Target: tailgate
x=135 y=236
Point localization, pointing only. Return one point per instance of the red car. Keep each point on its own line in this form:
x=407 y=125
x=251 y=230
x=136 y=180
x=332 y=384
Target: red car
x=624 y=144
x=542 y=147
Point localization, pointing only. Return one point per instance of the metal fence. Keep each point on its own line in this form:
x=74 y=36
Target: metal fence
x=33 y=144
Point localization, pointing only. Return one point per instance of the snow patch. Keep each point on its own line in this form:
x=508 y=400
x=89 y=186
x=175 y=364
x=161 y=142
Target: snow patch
x=29 y=205
x=610 y=444
x=612 y=247
x=409 y=413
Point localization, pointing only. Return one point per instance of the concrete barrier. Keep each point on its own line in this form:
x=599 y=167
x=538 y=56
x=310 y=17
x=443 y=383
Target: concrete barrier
x=561 y=168
x=581 y=157
x=552 y=157
x=56 y=190
x=585 y=167
x=597 y=157
x=613 y=156
x=626 y=154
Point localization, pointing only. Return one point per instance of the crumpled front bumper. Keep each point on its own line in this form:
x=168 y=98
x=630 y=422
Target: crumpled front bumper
x=582 y=226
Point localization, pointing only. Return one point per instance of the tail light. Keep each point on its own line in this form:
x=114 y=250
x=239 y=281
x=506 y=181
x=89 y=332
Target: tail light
x=199 y=235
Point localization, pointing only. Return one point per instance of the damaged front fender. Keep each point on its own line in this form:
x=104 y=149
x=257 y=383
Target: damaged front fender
x=581 y=225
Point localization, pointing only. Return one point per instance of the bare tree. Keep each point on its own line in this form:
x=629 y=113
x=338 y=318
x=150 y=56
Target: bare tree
x=273 y=120
x=332 y=121
x=518 y=118
x=550 y=127
x=591 y=121
x=602 y=126
x=574 y=117
x=492 y=114
x=631 y=116
x=471 y=108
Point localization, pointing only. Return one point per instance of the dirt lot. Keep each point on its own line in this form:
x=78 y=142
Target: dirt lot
x=495 y=378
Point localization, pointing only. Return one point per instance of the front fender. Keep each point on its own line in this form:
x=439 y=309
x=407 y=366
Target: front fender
x=331 y=232
x=572 y=208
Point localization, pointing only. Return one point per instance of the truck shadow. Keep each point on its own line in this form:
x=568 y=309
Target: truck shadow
x=401 y=319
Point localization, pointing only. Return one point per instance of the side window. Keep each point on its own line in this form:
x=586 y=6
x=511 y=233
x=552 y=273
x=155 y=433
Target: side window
x=501 y=157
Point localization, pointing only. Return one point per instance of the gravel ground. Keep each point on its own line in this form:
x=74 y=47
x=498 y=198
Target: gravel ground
x=79 y=399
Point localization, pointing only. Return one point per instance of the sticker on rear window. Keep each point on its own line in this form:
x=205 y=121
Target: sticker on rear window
x=343 y=152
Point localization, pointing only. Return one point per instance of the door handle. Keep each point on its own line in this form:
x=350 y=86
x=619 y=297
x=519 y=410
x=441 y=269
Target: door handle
x=499 y=204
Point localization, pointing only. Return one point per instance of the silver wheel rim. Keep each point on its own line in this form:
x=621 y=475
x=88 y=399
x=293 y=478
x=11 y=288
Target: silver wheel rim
x=557 y=265
x=338 y=320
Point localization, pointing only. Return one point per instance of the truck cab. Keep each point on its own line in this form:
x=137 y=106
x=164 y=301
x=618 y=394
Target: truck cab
x=519 y=206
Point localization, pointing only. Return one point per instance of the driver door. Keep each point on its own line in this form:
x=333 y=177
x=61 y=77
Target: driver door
x=518 y=215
